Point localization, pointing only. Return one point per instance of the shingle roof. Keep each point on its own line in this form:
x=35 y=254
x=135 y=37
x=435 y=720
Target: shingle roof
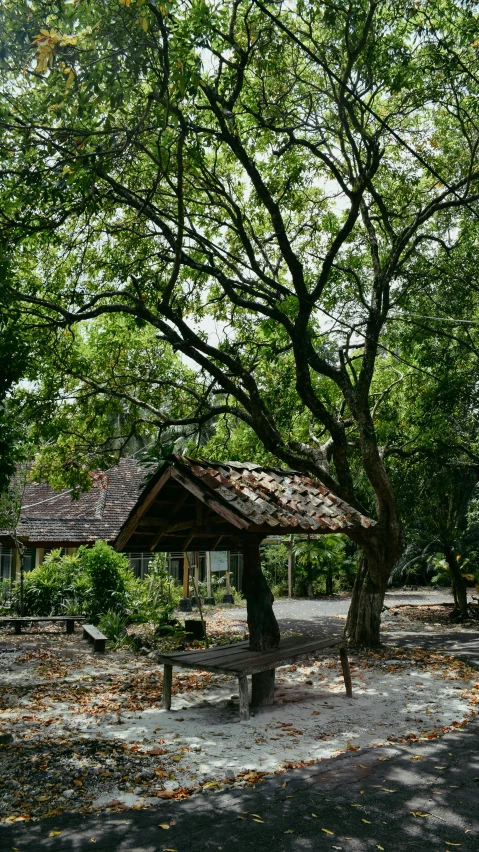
x=50 y=517
x=276 y=497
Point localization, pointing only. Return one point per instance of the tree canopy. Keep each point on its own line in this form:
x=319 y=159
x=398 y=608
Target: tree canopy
x=263 y=185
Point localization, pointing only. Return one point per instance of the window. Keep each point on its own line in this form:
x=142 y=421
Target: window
x=6 y=562
x=140 y=562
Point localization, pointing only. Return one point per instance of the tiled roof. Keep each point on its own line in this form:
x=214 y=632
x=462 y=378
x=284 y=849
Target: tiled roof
x=275 y=497
x=52 y=517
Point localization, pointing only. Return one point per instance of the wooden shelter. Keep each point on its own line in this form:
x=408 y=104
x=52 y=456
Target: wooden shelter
x=193 y=504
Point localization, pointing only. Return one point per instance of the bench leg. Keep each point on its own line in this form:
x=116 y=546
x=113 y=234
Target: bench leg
x=346 y=672
x=243 y=698
x=17 y=626
x=70 y=626
x=262 y=688
x=167 y=678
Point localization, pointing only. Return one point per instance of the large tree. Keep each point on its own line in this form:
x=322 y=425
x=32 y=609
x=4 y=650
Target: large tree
x=280 y=169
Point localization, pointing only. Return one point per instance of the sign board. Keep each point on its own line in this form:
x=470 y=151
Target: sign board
x=219 y=560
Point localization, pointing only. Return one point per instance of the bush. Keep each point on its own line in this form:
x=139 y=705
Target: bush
x=113 y=625
x=47 y=588
x=93 y=581
x=108 y=579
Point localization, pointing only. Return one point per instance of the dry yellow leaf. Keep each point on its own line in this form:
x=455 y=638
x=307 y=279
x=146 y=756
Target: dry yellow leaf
x=289 y=831
x=54 y=833
x=379 y=847
x=367 y=820
x=327 y=831
x=417 y=757
x=163 y=825
x=255 y=819
x=315 y=815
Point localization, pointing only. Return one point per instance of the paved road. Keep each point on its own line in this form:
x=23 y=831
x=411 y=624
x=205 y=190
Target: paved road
x=375 y=799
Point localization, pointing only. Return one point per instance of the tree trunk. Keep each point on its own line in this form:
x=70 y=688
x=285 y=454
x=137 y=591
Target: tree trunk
x=262 y=624
x=458 y=581
x=380 y=553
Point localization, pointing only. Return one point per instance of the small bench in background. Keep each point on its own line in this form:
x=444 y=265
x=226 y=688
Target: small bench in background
x=22 y=621
x=94 y=635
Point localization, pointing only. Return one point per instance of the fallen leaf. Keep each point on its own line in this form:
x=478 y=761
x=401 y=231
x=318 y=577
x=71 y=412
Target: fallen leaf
x=163 y=825
x=289 y=831
x=379 y=847
x=417 y=757
x=77 y=783
x=419 y=814
x=54 y=834
x=367 y=820
x=314 y=815
x=449 y=843
x=255 y=819
x=327 y=831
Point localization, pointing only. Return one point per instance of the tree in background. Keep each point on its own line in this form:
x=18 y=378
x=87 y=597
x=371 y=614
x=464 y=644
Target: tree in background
x=281 y=171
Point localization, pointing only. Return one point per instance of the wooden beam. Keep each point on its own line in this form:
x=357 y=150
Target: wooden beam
x=176 y=507
x=187 y=540
x=143 y=504
x=210 y=500
x=217 y=542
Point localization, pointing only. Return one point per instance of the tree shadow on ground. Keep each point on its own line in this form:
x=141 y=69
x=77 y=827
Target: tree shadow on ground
x=405 y=796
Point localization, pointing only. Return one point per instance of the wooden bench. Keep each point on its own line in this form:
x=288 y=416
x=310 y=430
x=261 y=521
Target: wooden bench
x=239 y=661
x=94 y=635
x=20 y=621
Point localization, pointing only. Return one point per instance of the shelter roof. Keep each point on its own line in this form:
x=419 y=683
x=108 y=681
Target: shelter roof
x=198 y=504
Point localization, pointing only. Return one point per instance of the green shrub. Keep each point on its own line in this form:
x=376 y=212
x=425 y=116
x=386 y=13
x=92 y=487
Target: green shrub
x=161 y=595
x=48 y=587
x=108 y=578
x=112 y=624
x=93 y=581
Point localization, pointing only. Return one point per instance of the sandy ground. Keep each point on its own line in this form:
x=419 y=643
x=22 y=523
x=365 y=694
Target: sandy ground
x=89 y=732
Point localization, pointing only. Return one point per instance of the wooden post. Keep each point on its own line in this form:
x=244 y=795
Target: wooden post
x=186 y=576
x=228 y=576
x=208 y=574
x=197 y=573
x=346 y=671
x=167 y=678
x=243 y=697
x=290 y=567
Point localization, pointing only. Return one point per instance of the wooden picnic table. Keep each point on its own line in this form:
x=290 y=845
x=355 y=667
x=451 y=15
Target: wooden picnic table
x=238 y=660
x=20 y=621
